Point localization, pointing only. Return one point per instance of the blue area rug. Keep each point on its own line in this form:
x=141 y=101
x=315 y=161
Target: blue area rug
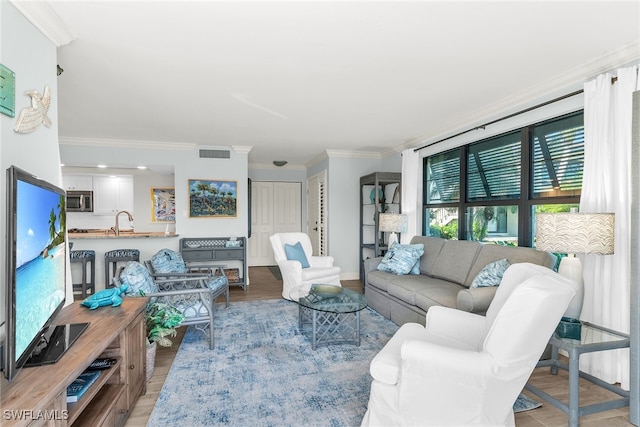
x=263 y=372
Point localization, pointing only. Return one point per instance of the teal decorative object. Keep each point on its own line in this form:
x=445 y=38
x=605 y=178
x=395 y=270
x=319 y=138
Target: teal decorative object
x=105 y=297
x=7 y=91
x=372 y=195
x=296 y=253
x=569 y=328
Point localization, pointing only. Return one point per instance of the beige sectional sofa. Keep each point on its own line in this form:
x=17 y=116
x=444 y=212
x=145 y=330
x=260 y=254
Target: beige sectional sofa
x=447 y=269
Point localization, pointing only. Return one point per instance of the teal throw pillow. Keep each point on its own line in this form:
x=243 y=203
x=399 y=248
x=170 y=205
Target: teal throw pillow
x=402 y=259
x=491 y=274
x=168 y=261
x=139 y=280
x=296 y=253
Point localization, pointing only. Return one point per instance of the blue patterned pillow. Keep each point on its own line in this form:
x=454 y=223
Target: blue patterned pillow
x=217 y=282
x=491 y=274
x=296 y=253
x=415 y=270
x=139 y=280
x=402 y=259
x=168 y=261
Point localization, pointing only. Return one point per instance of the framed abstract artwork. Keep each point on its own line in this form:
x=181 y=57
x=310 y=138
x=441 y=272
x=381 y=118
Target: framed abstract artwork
x=163 y=205
x=210 y=198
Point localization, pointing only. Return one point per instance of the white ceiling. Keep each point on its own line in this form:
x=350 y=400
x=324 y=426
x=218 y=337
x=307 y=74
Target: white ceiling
x=294 y=79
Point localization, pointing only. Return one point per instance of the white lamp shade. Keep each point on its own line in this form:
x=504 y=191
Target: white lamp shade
x=393 y=222
x=571 y=233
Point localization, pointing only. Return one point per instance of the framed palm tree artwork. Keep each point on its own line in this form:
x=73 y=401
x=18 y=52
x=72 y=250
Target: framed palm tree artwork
x=210 y=198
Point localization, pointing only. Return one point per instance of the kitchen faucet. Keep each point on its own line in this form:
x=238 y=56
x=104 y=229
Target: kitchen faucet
x=116 y=229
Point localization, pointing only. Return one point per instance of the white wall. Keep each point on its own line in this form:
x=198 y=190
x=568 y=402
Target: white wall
x=142 y=202
x=344 y=210
x=186 y=165
x=28 y=53
x=392 y=163
x=233 y=169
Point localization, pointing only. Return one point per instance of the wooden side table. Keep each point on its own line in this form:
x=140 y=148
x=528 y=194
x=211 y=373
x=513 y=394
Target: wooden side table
x=593 y=338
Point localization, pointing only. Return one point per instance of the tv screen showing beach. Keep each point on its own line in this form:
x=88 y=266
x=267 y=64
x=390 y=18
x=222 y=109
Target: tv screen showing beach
x=40 y=260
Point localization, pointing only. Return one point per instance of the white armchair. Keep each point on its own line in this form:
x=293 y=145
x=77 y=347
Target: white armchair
x=321 y=269
x=467 y=369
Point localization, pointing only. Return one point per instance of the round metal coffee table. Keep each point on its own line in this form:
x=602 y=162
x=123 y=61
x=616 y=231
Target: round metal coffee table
x=332 y=312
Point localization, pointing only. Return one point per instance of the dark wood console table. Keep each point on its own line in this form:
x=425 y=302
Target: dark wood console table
x=37 y=396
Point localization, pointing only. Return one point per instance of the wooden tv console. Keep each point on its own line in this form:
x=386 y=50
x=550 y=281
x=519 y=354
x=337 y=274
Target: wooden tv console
x=37 y=396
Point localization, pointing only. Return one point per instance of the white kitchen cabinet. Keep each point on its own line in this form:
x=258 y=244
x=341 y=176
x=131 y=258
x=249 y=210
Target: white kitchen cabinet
x=77 y=182
x=112 y=194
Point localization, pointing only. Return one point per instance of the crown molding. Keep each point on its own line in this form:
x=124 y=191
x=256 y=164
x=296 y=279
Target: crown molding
x=123 y=143
x=317 y=159
x=343 y=154
x=393 y=150
x=354 y=154
x=44 y=18
x=242 y=149
x=564 y=83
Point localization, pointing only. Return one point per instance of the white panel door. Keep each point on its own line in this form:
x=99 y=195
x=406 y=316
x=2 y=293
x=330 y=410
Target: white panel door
x=259 y=248
x=275 y=207
x=287 y=207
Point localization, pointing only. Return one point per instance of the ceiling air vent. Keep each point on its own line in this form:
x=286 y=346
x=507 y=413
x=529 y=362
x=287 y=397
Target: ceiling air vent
x=215 y=154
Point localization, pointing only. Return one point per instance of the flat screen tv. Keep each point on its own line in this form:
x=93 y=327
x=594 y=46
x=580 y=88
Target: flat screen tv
x=35 y=274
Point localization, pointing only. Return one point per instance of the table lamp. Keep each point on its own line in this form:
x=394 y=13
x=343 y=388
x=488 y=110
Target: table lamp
x=394 y=223
x=572 y=233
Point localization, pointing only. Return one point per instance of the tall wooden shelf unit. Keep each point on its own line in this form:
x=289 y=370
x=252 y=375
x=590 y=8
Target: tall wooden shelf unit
x=38 y=396
x=379 y=193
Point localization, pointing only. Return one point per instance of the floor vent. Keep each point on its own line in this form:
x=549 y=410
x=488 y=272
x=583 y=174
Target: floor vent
x=215 y=154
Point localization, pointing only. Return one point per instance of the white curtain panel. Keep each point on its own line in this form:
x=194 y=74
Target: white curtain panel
x=410 y=189
x=606 y=187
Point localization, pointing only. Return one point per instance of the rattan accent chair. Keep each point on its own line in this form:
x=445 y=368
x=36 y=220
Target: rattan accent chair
x=194 y=294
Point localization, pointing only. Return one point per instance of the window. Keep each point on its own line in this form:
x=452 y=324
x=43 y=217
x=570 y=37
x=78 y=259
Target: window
x=558 y=157
x=498 y=224
x=443 y=177
x=478 y=191
x=493 y=168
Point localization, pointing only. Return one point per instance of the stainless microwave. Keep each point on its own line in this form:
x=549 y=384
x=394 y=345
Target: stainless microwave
x=80 y=201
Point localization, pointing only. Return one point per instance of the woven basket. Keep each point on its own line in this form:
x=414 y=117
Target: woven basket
x=151 y=360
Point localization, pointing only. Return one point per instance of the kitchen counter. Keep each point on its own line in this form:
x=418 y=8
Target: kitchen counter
x=125 y=234
x=148 y=243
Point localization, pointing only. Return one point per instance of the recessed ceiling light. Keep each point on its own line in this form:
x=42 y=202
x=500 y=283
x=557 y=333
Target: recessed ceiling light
x=102 y=166
x=142 y=167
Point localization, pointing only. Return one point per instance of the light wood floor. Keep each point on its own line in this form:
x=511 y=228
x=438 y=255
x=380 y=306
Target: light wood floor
x=264 y=286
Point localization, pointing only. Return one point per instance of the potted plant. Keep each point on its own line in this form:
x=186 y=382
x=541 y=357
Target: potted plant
x=162 y=320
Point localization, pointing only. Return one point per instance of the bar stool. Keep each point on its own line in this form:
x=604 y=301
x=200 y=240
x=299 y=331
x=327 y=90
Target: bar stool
x=83 y=257
x=112 y=258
